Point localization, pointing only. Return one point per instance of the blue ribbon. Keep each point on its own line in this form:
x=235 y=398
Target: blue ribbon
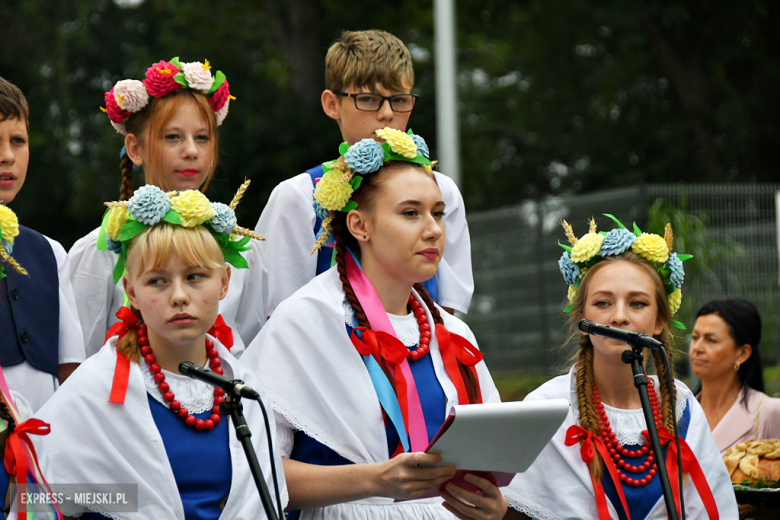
x=387 y=397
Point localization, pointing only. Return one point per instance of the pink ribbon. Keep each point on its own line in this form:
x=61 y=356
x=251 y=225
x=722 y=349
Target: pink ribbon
x=377 y=317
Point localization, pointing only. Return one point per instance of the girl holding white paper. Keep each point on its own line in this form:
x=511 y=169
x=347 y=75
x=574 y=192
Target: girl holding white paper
x=361 y=366
x=599 y=463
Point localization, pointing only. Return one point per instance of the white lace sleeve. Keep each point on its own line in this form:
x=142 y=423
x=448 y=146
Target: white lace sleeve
x=285 y=436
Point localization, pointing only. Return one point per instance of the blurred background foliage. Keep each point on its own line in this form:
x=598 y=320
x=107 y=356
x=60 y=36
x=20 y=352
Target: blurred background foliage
x=555 y=96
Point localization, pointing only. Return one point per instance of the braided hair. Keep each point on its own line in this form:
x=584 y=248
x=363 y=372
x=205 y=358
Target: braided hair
x=589 y=418
x=364 y=196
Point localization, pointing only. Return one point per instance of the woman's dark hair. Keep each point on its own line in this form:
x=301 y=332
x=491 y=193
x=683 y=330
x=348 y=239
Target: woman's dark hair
x=744 y=324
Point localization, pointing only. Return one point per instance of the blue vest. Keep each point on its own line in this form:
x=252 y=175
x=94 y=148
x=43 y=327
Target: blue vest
x=30 y=306
x=325 y=254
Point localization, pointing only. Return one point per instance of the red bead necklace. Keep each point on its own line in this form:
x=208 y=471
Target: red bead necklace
x=617 y=451
x=425 y=330
x=169 y=397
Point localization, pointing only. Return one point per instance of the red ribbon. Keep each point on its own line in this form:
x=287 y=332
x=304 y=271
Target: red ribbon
x=576 y=434
x=454 y=348
x=379 y=344
x=127 y=321
x=222 y=332
x=690 y=466
x=15 y=456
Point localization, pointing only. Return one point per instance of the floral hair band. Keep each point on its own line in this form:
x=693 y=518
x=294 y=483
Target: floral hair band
x=130 y=96
x=9 y=230
x=149 y=205
x=341 y=178
x=593 y=247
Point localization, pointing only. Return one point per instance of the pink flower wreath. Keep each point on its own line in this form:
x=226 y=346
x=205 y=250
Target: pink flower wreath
x=131 y=96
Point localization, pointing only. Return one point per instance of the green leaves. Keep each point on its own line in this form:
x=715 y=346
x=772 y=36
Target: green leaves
x=567 y=248
x=130 y=230
x=637 y=231
x=101 y=240
x=173 y=217
x=614 y=218
x=343 y=147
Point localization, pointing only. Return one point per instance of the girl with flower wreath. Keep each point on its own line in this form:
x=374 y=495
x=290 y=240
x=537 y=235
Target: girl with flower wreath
x=360 y=365
x=170 y=122
x=599 y=464
x=127 y=415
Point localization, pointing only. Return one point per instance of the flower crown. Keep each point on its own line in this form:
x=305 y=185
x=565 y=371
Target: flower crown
x=589 y=250
x=9 y=230
x=149 y=205
x=343 y=177
x=130 y=96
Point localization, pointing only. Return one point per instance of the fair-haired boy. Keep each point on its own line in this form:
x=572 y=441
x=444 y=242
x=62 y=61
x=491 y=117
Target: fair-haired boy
x=377 y=65
x=40 y=336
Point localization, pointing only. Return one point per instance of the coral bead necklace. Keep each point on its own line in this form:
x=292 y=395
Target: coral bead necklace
x=189 y=420
x=618 y=452
x=425 y=330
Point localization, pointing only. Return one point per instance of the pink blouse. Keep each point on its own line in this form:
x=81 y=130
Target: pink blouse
x=739 y=424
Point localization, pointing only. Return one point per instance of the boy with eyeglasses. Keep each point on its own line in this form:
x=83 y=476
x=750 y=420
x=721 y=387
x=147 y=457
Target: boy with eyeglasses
x=369 y=79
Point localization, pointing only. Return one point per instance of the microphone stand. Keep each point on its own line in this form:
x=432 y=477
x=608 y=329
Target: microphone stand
x=634 y=358
x=235 y=409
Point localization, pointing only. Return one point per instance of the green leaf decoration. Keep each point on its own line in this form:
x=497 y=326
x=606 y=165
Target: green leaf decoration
x=603 y=233
x=219 y=79
x=409 y=132
x=388 y=150
x=620 y=224
x=130 y=230
x=235 y=259
x=2 y=272
x=637 y=232
x=350 y=206
x=173 y=217
x=567 y=309
x=326 y=166
x=356 y=181
x=119 y=268
x=333 y=257
x=125 y=300
x=678 y=324
x=101 y=240
x=567 y=248
x=343 y=147
x=669 y=288
x=392 y=156
x=683 y=258
x=175 y=62
x=241 y=242
x=181 y=80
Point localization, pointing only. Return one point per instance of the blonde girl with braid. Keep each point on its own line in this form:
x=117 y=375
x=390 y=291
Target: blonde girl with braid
x=599 y=464
x=170 y=126
x=130 y=416
x=360 y=364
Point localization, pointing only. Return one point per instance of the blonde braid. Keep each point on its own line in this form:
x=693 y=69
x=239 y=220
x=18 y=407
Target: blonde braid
x=589 y=419
x=663 y=382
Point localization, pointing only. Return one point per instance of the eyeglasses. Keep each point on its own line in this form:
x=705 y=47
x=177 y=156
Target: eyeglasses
x=369 y=102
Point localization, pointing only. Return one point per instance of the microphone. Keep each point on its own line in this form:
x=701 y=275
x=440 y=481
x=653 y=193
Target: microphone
x=234 y=386
x=635 y=339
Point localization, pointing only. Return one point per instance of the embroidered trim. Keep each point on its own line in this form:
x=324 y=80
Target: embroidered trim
x=196 y=396
x=528 y=508
x=301 y=425
x=406 y=328
x=629 y=424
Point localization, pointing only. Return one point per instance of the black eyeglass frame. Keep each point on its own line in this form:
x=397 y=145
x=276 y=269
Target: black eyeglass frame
x=384 y=98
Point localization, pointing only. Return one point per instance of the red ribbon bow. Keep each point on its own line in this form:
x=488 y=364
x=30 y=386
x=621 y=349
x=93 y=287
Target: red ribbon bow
x=576 y=434
x=379 y=344
x=454 y=348
x=222 y=332
x=127 y=321
x=690 y=466
x=15 y=456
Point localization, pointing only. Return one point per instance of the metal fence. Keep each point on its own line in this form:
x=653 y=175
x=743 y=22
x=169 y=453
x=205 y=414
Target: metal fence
x=516 y=312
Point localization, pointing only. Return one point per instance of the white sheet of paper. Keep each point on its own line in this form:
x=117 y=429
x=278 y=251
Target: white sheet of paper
x=504 y=437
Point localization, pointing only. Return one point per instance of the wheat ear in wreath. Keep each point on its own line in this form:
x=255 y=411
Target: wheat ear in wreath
x=239 y=195
x=10 y=261
x=592 y=225
x=325 y=233
x=669 y=236
x=238 y=230
x=569 y=233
